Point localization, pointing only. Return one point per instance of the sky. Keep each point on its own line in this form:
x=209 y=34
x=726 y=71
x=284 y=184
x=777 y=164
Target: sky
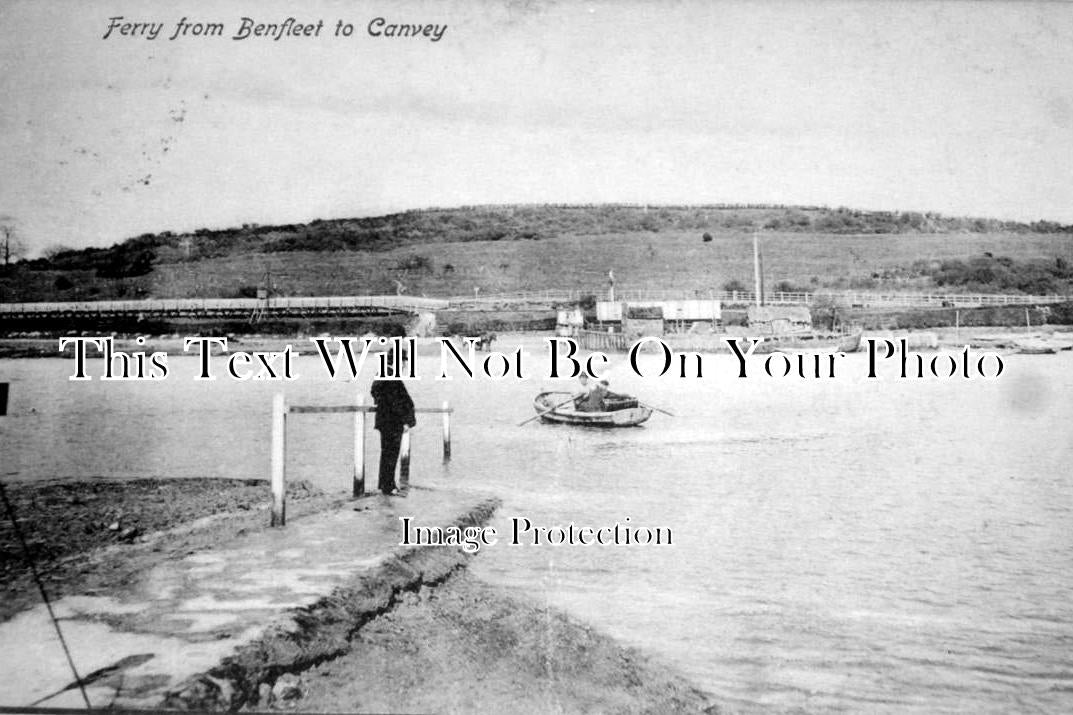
x=961 y=108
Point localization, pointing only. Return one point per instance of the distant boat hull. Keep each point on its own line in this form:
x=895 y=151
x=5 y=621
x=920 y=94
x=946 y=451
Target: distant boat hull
x=808 y=341
x=1035 y=347
x=1024 y=344
x=566 y=414
x=850 y=343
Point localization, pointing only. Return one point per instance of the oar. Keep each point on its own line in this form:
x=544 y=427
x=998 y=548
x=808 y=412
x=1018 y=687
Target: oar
x=550 y=409
x=657 y=409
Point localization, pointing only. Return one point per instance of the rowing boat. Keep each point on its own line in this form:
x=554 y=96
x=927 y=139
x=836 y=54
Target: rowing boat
x=551 y=407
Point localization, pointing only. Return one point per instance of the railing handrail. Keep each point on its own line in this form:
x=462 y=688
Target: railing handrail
x=777 y=297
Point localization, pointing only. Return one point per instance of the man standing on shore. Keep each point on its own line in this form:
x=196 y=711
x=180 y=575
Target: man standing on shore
x=394 y=417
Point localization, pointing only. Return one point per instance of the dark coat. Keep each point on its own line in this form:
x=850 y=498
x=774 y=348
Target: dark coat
x=394 y=408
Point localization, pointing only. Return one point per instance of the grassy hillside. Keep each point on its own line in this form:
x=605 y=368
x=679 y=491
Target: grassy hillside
x=444 y=252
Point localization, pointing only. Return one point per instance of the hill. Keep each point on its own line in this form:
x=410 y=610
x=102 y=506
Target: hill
x=446 y=252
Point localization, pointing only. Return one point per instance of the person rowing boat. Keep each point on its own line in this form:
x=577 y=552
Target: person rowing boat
x=591 y=398
x=596 y=397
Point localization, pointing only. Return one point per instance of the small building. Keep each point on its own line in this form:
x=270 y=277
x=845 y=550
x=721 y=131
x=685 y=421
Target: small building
x=568 y=323
x=640 y=322
x=708 y=313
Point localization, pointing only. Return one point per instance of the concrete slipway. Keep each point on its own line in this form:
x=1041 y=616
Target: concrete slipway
x=215 y=629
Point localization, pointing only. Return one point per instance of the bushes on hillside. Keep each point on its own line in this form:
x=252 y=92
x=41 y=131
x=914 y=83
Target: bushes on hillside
x=788 y=287
x=126 y=263
x=735 y=286
x=990 y=273
x=415 y=263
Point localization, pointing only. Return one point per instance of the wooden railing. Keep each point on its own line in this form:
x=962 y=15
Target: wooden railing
x=864 y=299
x=280 y=410
x=596 y=340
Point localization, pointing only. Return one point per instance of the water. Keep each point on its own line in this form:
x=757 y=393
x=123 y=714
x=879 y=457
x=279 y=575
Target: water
x=848 y=544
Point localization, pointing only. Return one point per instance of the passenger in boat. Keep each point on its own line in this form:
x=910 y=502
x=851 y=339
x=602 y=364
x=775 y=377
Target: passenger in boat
x=394 y=416
x=581 y=400
x=583 y=393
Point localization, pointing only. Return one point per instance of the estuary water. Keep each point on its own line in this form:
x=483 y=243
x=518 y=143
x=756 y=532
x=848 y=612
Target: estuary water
x=845 y=544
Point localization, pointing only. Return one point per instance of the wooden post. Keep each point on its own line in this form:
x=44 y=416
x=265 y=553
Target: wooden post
x=446 y=433
x=279 y=456
x=359 y=449
x=758 y=271
x=1028 y=323
x=404 y=462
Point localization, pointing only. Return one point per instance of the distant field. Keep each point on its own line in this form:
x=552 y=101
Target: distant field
x=671 y=260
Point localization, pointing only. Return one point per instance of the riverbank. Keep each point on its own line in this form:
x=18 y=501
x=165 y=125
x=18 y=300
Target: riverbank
x=466 y=646
x=136 y=564
x=92 y=536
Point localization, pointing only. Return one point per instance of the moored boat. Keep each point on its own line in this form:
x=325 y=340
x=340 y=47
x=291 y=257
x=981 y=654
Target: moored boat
x=1035 y=346
x=814 y=342
x=559 y=407
x=850 y=343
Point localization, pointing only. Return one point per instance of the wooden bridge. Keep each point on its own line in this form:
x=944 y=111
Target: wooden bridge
x=382 y=305
x=247 y=308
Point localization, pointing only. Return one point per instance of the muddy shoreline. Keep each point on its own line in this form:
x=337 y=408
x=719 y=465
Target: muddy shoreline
x=465 y=646
x=92 y=536
x=445 y=642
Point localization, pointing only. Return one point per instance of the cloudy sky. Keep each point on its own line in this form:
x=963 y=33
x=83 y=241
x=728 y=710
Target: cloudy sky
x=962 y=108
